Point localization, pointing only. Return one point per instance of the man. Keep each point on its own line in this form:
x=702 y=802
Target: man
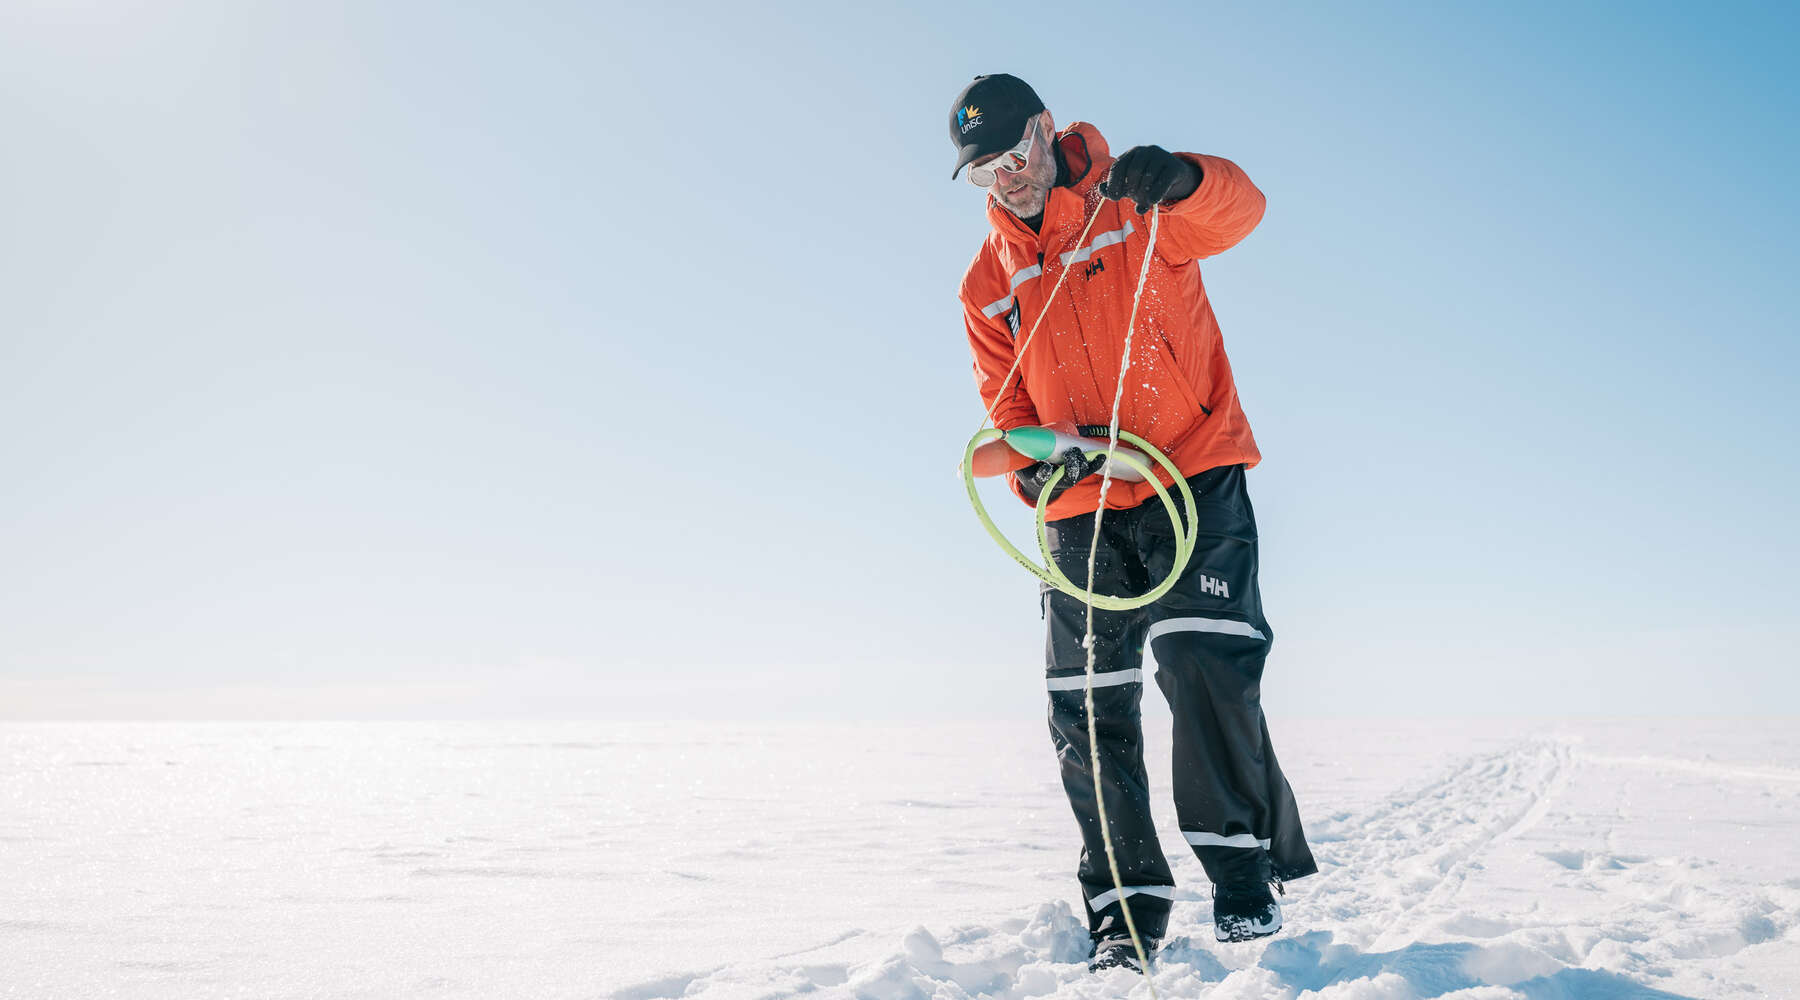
x=1207 y=635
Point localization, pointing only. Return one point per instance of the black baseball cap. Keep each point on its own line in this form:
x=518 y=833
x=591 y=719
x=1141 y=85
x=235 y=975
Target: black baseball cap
x=989 y=116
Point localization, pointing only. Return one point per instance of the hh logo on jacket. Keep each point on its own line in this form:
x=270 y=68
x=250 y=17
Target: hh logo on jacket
x=1214 y=586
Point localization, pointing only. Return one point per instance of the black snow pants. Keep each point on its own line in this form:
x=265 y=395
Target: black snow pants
x=1208 y=639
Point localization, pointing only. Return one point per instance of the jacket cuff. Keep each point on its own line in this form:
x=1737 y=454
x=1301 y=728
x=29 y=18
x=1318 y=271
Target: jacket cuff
x=1197 y=197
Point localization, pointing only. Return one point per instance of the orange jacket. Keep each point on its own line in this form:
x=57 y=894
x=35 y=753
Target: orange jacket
x=1179 y=394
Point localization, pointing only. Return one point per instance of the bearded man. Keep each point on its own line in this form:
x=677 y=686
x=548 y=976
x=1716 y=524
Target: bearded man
x=1063 y=210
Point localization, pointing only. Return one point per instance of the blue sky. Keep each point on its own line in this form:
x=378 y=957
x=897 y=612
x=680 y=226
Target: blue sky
x=605 y=360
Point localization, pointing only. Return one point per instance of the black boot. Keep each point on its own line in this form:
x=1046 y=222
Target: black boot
x=1118 y=953
x=1244 y=911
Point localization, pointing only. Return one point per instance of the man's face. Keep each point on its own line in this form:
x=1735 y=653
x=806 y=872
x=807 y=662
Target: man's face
x=1023 y=193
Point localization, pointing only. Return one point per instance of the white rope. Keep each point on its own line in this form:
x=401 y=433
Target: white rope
x=1087 y=641
x=1019 y=353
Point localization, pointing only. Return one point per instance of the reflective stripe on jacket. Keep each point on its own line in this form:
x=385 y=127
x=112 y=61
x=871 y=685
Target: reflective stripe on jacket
x=1179 y=393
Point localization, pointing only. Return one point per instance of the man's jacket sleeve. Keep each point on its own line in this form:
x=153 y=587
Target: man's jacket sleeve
x=1220 y=212
x=991 y=341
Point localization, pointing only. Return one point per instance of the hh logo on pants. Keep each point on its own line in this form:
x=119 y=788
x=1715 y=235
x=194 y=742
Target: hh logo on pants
x=1214 y=586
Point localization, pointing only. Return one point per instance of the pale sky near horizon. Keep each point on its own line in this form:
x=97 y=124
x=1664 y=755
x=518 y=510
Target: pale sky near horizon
x=604 y=360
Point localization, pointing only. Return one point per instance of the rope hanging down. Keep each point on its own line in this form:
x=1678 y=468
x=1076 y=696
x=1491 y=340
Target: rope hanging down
x=1087 y=641
x=1185 y=532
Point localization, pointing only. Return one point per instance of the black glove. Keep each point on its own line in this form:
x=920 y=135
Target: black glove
x=1150 y=175
x=1076 y=467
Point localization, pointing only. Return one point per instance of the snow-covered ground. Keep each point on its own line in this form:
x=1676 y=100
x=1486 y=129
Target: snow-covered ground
x=1481 y=861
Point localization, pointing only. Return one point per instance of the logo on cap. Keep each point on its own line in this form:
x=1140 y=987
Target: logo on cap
x=968 y=117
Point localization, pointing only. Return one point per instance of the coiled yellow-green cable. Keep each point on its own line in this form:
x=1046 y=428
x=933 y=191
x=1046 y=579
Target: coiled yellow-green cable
x=1049 y=572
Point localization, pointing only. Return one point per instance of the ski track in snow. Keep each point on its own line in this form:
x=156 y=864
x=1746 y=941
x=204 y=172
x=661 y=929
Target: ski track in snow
x=1577 y=917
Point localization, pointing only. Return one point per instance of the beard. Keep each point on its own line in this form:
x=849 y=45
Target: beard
x=1027 y=203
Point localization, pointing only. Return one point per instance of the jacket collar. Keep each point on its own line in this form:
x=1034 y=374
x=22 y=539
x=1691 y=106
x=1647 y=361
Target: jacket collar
x=1082 y=160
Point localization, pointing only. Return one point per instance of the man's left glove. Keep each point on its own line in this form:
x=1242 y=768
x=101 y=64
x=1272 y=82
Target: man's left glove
x=1075 y=463
x=1150 y=175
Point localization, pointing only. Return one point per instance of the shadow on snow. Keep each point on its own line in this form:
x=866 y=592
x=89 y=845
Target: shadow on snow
x=1312 y=962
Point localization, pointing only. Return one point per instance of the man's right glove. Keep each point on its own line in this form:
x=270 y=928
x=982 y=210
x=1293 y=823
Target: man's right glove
x=1075 y=463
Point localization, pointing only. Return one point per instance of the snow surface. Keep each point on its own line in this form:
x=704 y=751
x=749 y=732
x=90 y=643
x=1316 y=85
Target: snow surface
x=1478 y=861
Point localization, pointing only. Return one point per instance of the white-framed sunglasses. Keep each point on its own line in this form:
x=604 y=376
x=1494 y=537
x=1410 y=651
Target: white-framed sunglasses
x=1012 y=161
